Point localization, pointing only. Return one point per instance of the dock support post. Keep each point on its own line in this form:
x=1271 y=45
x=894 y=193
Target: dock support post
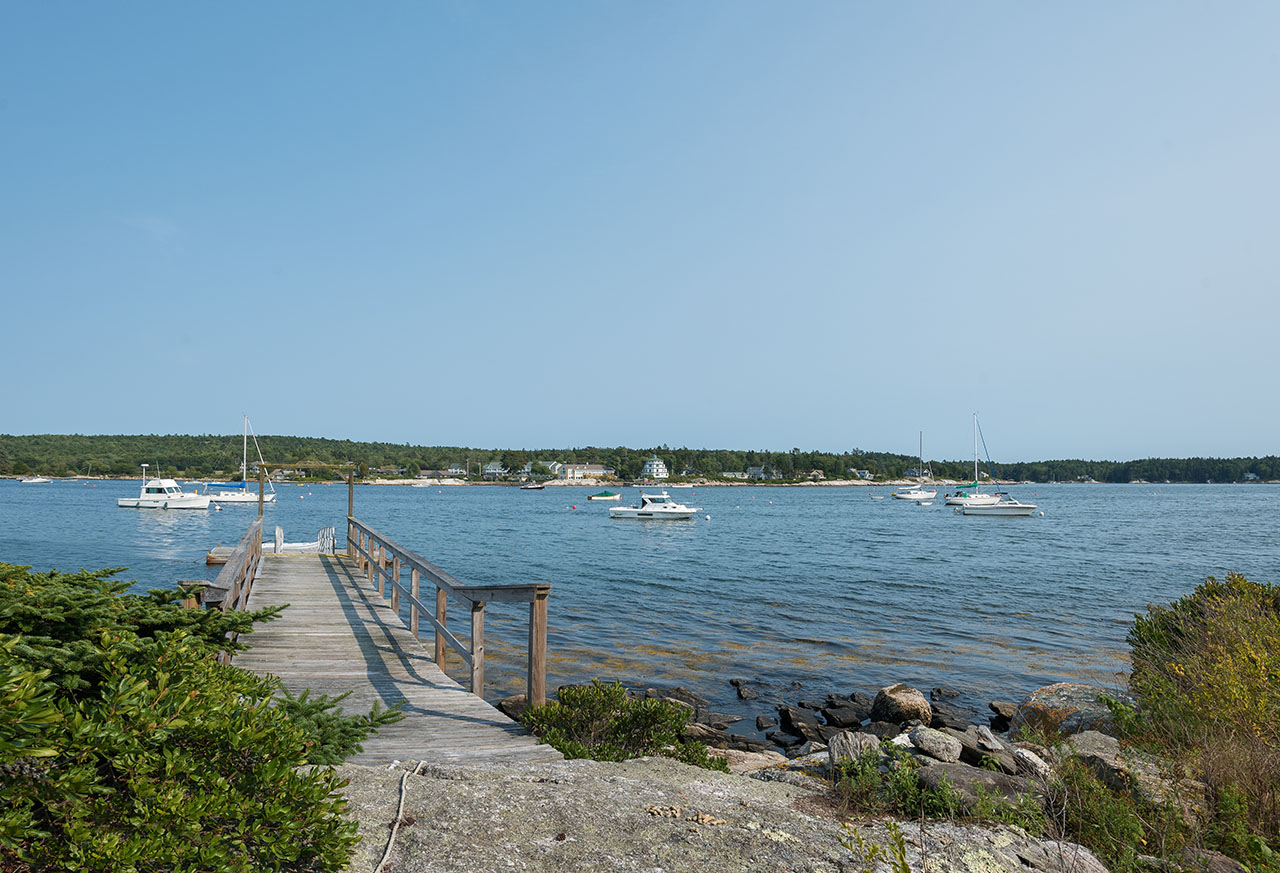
x=415 y=580
x=477 y=648
x=442 y=603
x=351 y=493
x=395 y=584
x=537 y=690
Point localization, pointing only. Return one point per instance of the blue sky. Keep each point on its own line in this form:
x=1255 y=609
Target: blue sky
x=721 y=224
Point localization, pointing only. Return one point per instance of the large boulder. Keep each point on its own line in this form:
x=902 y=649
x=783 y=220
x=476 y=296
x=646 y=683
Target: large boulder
x=901 y=704
x=1064 y=709
x=936 y=744
x=971 y=782
x=850 y=746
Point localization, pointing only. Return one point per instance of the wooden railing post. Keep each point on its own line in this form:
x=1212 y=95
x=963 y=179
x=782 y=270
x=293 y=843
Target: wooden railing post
x=415 y=580
x=442 y=603
x=477 y=648
x=537 y=685
x=372 y=555
x=380 y=560
x=351 y=548
x=395 y=584
x=351 y=493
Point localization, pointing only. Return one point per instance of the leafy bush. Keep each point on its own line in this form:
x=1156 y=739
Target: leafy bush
x=125 y=745
x=1088 y=812
x=868 y=788
x=1206 y=678
x=600 y=722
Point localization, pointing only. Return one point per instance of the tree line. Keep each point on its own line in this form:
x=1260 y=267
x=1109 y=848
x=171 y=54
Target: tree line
x=201 y=456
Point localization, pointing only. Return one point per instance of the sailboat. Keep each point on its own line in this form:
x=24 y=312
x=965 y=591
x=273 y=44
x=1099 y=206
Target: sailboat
x=1004 y=504
x=969 y=495
x=237 y=492
x=918 y=493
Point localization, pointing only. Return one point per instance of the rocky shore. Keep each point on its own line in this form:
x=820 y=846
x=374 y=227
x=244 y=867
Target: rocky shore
x=773 y=812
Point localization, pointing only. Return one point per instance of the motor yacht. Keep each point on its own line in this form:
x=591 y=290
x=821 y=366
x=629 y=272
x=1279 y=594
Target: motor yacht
x=655 y=506
x=164 y=494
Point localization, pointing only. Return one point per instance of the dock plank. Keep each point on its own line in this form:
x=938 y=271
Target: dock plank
x=339 y=635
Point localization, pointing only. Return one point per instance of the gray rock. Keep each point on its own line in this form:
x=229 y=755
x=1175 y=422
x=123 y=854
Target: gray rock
x=746 y=692
x=514 y=706
x=936 y=744
x=849 y=746
x=1064 y=709
x=845 y=713
x=949 y=715
x=801 y=722
x=764 y=722
x=943 y=693
x=744 y=762
x=646 y=815
x=1001 y=713
x=901 y=704
x=783 y=740
x=883 y=729
x=720 y=739
x=968 y=780
x=982 y=751
x=1031 y=765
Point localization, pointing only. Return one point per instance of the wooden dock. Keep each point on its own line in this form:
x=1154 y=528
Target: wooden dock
x=339 y=634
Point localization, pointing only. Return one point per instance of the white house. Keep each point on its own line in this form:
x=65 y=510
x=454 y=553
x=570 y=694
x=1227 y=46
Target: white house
x=655 y=468
x=494 y=470
x=584 y=471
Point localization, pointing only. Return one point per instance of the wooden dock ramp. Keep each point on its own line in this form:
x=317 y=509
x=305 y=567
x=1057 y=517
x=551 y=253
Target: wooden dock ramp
x=340 y=635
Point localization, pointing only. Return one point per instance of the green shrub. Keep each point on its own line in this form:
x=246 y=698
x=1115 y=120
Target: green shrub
x=1088 y=812
x=125 y=745
x=1206 y=679
x=600 y=722
x=867 y=788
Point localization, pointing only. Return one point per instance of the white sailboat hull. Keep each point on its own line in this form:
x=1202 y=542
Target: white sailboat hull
x=972 y=500
x=240 y=497
x=1009 y=509
x=915 y=494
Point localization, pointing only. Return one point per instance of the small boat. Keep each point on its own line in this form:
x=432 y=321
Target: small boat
x=918 y=493
x=163 y=494
x=238 y=492
x=34 y=480
x=655 y=506
x=605 y=495
x=1005 y=506
x=970 y=495
x=532 y=486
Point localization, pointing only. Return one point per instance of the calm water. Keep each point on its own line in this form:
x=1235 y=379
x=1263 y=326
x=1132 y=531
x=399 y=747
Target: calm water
x=804 y=590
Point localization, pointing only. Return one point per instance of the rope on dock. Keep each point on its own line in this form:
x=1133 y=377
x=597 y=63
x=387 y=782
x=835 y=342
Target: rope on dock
x=395 y=827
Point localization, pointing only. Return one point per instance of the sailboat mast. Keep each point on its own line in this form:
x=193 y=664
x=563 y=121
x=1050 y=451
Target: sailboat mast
x=975 y=450
x=244 y=454
x=921 y=460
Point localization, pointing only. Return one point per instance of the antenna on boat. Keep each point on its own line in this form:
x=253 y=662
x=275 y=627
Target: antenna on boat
x=144 y=473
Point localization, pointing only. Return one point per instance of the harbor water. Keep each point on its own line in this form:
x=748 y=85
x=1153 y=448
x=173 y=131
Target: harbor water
x=798 y=590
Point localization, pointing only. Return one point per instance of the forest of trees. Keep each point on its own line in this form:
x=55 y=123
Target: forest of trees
x=203 y=456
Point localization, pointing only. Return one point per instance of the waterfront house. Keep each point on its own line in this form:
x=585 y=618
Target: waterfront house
x=457 y=471
x=494 y=470
x=584 y=471
x=655 y=468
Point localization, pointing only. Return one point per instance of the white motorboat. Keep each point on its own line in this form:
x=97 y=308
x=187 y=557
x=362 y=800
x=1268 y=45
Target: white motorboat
x=163 y=494
x=532 y=486
x=1004 y=505
x=919 y=492
x=34 y=480
x=238 y=492
x=655 y=506
x=971 y=495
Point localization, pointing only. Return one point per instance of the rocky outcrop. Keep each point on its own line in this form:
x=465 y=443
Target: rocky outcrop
x=649 y=814
x=1065 y=708
x=970 y=782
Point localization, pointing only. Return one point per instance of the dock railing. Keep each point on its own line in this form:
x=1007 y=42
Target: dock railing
x=383 y=560
x=229 y=592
